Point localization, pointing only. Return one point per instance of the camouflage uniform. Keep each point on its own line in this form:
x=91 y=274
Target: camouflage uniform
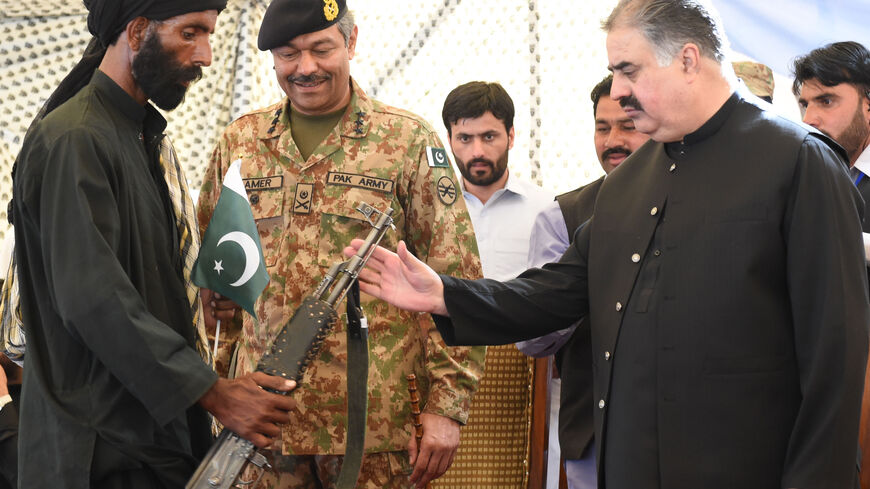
x=305 y=213
x=757 y=77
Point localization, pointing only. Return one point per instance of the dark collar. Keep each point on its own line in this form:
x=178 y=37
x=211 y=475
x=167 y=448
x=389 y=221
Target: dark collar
x=145 y=117
x=709 y=128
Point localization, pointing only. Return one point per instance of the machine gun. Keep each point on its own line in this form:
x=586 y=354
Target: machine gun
x=293 y=349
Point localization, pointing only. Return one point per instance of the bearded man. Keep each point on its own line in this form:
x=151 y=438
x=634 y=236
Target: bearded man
x=832 y=84
x=114 y=387
x=479 y=118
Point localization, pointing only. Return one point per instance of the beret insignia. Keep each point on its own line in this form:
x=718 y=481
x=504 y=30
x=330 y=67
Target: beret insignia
x=330 y=10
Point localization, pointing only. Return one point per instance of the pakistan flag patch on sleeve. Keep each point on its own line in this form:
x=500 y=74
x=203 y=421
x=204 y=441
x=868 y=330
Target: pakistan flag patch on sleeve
x=437 y=157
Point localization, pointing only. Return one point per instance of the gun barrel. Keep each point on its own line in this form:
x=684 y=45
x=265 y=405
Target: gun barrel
x=328 y=279
x=358 y=261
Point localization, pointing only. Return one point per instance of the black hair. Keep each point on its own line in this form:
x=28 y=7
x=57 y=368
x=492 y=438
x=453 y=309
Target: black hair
x=601 y=90
x=839 y=62
x=476 y=98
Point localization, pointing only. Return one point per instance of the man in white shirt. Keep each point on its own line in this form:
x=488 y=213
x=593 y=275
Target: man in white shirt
x=832 y=84
x=479 y=121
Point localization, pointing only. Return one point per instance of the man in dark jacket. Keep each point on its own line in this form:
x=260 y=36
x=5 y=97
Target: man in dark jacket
x=615 y=140
x=832 y=84
x=722 y=273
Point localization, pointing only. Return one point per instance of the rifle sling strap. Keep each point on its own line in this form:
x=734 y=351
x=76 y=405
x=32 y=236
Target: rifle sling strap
x=357 y=390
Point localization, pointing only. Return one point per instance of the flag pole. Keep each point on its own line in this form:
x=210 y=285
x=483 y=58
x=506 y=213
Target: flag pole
x=217 y=338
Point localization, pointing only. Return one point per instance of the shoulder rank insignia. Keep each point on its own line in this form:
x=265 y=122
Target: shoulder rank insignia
x=446 y=190
x=437 y=157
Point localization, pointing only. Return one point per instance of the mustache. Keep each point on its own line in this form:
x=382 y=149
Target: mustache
x=617 y=150
x=630 y=101
x=481 y=160
x=192 y=74
x=312 y=78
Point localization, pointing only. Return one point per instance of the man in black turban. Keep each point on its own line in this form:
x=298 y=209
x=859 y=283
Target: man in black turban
x=114 y=387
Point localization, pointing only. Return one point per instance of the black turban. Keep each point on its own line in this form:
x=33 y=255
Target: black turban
x=108 y=18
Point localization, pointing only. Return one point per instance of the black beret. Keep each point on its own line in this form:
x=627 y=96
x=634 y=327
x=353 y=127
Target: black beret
x=286 y=19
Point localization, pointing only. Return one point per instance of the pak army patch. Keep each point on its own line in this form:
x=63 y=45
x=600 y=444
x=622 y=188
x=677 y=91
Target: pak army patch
x=446 y=190
x=304 y=196
x=360 y=181
x=437 y=157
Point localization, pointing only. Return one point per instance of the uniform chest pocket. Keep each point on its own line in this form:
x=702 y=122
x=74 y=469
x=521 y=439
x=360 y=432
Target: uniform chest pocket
x=340 y=222
x=268 y=209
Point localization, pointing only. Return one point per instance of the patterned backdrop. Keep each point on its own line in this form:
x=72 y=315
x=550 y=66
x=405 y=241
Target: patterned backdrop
x=410 y=54
x=410 y=57
x=548 y=59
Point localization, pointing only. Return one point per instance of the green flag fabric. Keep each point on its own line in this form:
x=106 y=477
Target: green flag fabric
x=230 y=259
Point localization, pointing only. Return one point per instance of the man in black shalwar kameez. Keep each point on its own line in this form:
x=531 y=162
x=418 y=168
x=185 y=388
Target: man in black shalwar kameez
x=114 y=388
x=722 y=272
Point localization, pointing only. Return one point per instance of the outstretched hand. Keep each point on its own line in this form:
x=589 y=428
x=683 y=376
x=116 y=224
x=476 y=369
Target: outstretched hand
x=400 y=279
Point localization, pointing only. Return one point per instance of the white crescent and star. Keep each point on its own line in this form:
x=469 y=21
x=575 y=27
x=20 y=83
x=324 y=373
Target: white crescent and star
x=252 y=256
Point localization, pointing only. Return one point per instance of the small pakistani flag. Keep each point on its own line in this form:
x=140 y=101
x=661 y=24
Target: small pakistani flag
x=230 y=259
x=437 y=157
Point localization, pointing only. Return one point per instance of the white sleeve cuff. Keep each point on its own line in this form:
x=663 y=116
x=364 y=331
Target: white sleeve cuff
x=4 y=400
